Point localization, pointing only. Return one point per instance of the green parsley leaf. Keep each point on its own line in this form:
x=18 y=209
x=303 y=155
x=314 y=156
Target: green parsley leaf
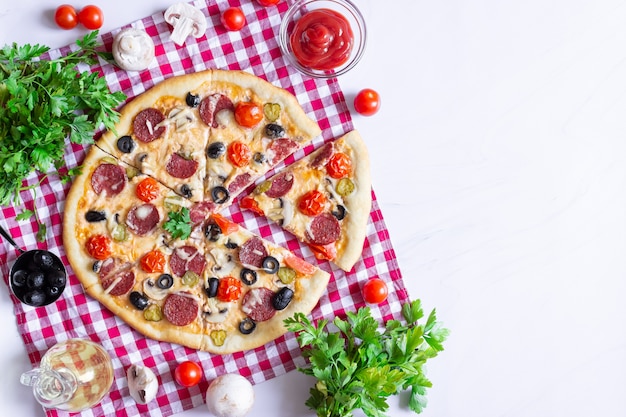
x=25 y=215
x=178 y=224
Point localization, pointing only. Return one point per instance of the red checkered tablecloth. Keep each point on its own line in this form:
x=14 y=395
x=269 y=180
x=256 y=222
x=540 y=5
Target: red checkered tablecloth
x=254 y=49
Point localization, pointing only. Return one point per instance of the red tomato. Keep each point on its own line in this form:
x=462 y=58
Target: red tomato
x=229 y=289
x=324 y=252
x=153 y=261
x=367 y=102
x=233 y=18
x=300 y=265
x=312 y=203
x=99 y=247
x=248 y=202
x=266 y=3
x=188 y=373
x=65 y=17
x=339 y=165
x=226 y=226
x=248 y=114
x=375 y=291
x=147 y=190
x=91 y=17
x=239 y=154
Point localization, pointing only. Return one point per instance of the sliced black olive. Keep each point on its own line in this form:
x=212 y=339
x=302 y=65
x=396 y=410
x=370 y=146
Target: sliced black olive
x=339 y=212
x=141 y=158
x=19 y=278
x=96 y=266
x=212 y=232
x=274 y=131
x=211 y=288
x=126 y=144
x=165 y=281
x=271 y=265
x=185 y=191
x=247 y=325
x=248 y=276
x=259 y=157
x=282 y=298
x=220 y=194
x=35 y=279
x=93 y=216
x=192 y=100
x=231 y=245
x=139 y=300
x=215 y=150
x=43 y=259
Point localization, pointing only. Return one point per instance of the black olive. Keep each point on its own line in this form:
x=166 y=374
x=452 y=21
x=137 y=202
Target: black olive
x=165 y=281
x=35 y=279
x=215 y=150
x=259 y=157
x=43 y=259
x=282 y=298
x=185 y=191
x=56 y=278
x=141 y=158
x=220 y=194
x=212 y=232
x=271 y=265
x=19 y=278
x=192 y=100
x=339 y=212
x=248 y=276
x=52 y=292
x=93 y=216
x=247 y=325
x=126 y=144
x=96 y=266
x=274 y=131
x=211 y=288
x=231 y=245
x=139 y=300
x=35 y=298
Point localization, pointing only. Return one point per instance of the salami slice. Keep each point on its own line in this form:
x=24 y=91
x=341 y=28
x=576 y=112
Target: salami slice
x=145 y=124
x=257 y=304
x=239 y=182
x=322 y=155
x=282 y=148
x=179 y=167
x=117 y=275
x=187 y=258
x=213 y=104
x=199 y=212
x=181 y=309
x=324 y=229
x=142 y=219
x=108 y=178
x=252 y=252
x=281 y=185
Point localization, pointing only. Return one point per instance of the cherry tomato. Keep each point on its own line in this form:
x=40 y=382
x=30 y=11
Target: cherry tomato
x=248 y=114
x=229 y=289
x=147 y=190
x=375 y=291
x=367 y=102
x=239 y=154
x=312 y=203
x=324 y=252
x=226 y=226
x=266 y=3
x=188 y=373
x=248 y=202
x=99 y=247
x=65 y=17
x=153 y=261
x=339 y=165
x=91 y=17
x=233 y=18
x=300 y=265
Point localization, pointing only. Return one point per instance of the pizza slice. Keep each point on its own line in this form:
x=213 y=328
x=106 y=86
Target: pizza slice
x=323 y=199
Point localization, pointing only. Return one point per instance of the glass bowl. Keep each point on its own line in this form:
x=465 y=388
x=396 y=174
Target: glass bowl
x=344 y=7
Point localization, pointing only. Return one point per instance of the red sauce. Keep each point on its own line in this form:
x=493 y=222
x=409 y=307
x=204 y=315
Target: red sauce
x=322 y=39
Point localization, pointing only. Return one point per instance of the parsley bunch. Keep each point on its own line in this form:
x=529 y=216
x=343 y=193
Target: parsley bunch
x=178 y=224
x=360 y=366
x=42 y=102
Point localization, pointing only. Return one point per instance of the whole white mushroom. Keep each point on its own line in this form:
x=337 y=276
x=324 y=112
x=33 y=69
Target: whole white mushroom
x=230 y=395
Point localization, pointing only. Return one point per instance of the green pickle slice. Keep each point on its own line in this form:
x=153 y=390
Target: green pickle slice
x=286 y=275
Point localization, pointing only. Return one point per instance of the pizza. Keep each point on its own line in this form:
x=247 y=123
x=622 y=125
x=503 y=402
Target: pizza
x=142 y=228
x=324 y=199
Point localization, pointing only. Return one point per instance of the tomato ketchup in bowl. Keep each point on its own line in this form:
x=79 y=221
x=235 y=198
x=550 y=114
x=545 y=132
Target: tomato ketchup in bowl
x=323 y=38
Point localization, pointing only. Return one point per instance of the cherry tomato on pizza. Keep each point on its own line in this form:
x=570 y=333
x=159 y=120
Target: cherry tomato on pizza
x=66 y=17
x=248 y=202
x=99 y=247
x=239 y=154
x=266 y=3
x=248 y=114
x=91 y=17
x=229 y=289
x=226 y=226
x=367 y=102
x=339 y=165
x=153 y=261
x=188 y=373
x=375 y=291
x=324 y=252
x=312 y=203
x=233 y=19
x=147 y=189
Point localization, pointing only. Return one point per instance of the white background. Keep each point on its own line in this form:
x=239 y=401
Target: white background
x=499 y=162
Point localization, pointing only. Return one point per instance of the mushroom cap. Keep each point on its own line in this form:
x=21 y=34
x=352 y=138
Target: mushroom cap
x=142 y=383
x=133 y=49
x=178 y=11
x=230 y=395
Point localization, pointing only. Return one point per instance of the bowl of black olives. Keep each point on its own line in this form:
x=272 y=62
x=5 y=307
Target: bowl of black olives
x=38 y=277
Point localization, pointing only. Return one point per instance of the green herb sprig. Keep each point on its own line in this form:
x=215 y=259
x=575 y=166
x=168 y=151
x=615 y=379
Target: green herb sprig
x=178 y=224
x=360 y=366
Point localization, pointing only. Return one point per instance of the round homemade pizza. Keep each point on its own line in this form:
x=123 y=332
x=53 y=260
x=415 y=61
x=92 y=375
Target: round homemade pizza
x=142 y=228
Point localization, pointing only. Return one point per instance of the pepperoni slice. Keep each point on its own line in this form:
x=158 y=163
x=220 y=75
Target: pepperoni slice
x=145 y=125
x=187 y=258
x=114 y=272
x=281 y=149
x=252 y=252
x=322 y=155
x=180 y=309
x=239 y=182
x=257 y=304
x=199 y=212
x=143 y=219
x=179 y=167
x=213 y=104
x=324 y=229
x=108 y=178
x=281 y=185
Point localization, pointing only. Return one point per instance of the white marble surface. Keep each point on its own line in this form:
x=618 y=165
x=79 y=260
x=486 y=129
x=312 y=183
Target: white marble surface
x=499 y=162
